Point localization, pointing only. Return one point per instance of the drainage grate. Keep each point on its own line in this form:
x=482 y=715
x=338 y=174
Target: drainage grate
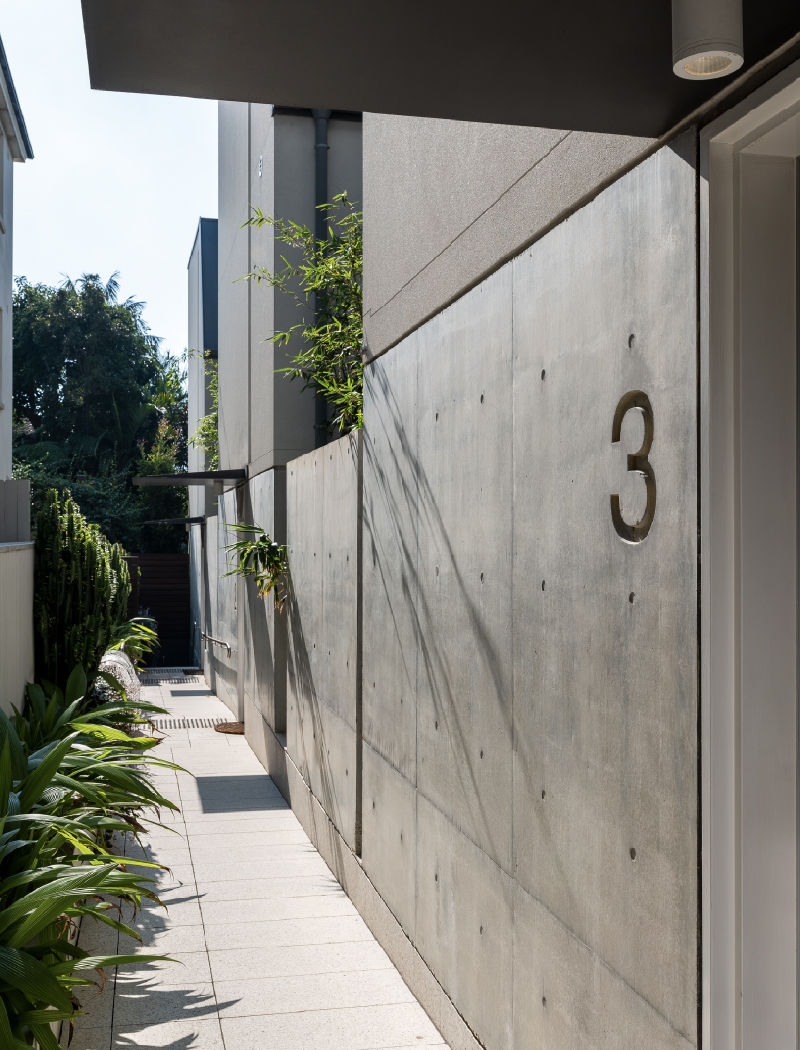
x=188 y=723
x=170 y=672
x=186 y=679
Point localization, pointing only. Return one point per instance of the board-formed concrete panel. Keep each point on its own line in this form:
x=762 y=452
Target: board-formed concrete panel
x=491 y=447
x=565 y=996
x=390 y=836
x=390 y=621
x=464 y=924
x=264 y=625
x=340 y=576
x=464 y=477
x=322 y=537
x=605 y=675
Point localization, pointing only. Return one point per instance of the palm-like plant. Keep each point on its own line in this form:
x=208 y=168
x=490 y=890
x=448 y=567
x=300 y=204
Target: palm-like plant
x=69 y=779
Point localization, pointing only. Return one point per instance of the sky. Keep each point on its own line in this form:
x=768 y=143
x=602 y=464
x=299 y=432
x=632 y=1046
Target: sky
x=117 y=181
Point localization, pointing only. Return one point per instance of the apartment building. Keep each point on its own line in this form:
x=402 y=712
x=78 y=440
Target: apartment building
x=539 y=663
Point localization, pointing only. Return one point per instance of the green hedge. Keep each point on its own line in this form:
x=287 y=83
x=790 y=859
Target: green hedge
x=81 y=589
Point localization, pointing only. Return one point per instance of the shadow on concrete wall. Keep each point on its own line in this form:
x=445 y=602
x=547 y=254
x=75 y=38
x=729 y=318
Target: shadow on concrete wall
x=397 y=477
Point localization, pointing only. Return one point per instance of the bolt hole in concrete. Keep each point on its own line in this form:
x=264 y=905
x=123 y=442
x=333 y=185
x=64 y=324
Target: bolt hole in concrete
x=436 y=878
x=373 y=805
x=481 y=398
x=481 y=577
x=543 y=792
x=437 y=417
x=437 y=570
x=481 y=930
x=544 y=1001
x=542 y=584
x=481 y=754
x=631 y=596
x=631 y=341
x=543 y=375
x=633 y=853
x=435 y=725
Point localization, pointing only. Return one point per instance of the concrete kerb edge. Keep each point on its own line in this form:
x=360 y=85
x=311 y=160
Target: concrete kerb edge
x=358 y=886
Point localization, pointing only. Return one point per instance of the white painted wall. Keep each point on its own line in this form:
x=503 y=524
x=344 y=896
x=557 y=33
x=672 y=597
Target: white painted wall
x=16 y=622
x=16 y=553
x=749 y=586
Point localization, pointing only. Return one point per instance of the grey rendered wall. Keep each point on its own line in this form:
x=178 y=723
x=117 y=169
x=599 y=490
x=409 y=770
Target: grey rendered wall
x=530 y=677
x=267 y=161
x=447 y=201
x=234 y=294
x=323 y=724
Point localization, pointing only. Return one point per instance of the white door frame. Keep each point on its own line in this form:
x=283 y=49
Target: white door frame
x=722 y=566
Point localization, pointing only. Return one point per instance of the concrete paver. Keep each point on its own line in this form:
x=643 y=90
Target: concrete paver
x=268 y=950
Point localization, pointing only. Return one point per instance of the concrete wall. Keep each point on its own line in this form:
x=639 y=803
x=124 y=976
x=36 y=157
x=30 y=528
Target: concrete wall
x=267 y=161
x=447 y=201
x=16 y=623
x=323 y=716
x=530 y=677
x=510 y=789
x=264 y=624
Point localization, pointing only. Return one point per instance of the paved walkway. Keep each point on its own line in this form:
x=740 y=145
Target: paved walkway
x=270 y=953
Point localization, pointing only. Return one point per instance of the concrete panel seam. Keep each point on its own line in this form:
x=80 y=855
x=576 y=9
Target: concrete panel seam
x=469 y=225
x=514 y=253
x=571 y=933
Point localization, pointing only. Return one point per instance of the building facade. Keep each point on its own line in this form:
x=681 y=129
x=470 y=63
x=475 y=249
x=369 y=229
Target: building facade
x=534 y=690
x=16 y=550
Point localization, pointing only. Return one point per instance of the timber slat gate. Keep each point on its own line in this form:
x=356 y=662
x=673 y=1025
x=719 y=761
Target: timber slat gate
x=162 y=589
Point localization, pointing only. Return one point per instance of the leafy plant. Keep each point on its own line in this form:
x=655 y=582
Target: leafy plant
x=69 y=778
x=106 y=500
x=162 y=501
x=81 y=589
x=330 y=298
x=263 y=559
x=206 y=436
x=135 y=638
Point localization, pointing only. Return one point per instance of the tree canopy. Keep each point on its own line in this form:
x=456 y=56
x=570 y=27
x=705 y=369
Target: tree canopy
x=89 y=380
x=95 y=402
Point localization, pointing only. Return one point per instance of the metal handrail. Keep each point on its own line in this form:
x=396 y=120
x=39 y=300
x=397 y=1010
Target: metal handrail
x=216 y=641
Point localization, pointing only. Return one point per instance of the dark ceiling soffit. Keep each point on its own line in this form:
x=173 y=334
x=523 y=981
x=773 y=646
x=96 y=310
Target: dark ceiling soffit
x=177 y=521
x=12 y=94
x=200 y=477
x=298 y=111
x=581 y=66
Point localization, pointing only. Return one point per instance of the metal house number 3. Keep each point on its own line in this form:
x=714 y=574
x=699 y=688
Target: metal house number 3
x=637 y=462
